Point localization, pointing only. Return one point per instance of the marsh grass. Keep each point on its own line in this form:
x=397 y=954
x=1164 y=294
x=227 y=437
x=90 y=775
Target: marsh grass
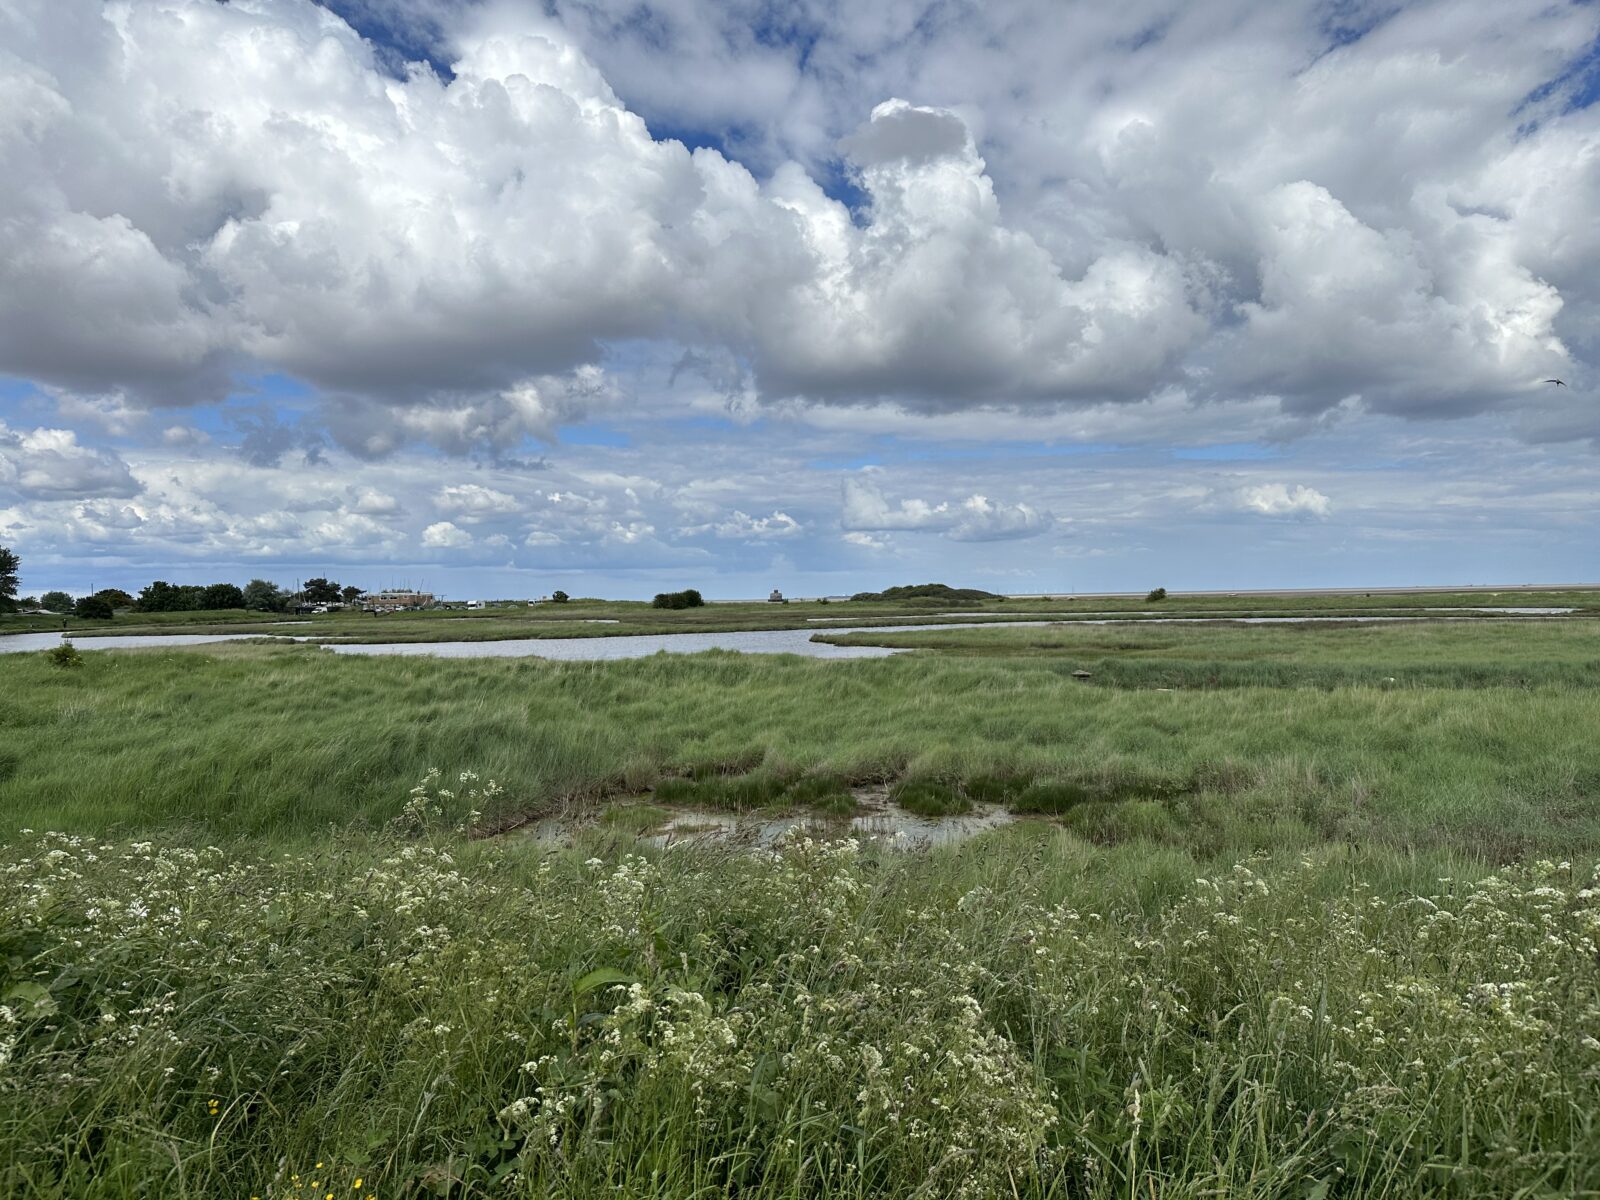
x=720 y=787
x=1283 y=932
x=286 y=743
x=1029 y=1016
x=932 y=797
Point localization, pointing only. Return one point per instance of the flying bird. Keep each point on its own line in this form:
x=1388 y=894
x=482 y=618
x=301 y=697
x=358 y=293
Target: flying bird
x=1557 y=382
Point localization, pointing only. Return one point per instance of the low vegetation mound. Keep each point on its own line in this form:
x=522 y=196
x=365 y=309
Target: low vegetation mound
x=928 y=591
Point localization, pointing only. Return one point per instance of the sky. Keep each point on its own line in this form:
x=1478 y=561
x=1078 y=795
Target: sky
x=495 y=298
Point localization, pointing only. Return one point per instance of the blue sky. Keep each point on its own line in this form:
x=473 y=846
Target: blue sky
x=611 y=297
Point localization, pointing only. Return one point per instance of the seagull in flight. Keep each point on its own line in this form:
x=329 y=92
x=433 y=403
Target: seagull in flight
x=1557 y=382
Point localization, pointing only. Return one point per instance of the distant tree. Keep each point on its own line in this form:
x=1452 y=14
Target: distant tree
x=162 y=596
x=159 y=596
x=56 y=602
x=1156 y=596
x=28 y=602
x=558 y=597
x=320 y=591
x=115 y=597
x=222 y=595
x=688 y=598
x=94 y=607
x=261 y=596
x=9 y=563
x=350 y=593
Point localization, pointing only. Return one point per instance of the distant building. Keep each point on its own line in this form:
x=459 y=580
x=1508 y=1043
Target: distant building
x=776 y=597
x=396 y=601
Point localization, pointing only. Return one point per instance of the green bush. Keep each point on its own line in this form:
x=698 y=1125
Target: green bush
x=688 y=598
x=95 y=608
x=64 y=655
x=1156 y=595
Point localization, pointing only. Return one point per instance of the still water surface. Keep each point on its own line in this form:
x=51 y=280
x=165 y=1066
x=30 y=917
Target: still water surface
x=760 y=641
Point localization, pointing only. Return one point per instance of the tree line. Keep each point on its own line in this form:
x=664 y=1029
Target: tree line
x=259 y=595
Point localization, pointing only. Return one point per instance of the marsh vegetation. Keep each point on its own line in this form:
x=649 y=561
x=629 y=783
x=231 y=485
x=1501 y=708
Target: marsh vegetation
x=1277 y=912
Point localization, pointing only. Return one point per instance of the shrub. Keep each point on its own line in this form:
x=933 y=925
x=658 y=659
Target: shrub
x=64 y=655
x=688 y=598
x=1156 y=596
x=558 y=597
x=95 y=608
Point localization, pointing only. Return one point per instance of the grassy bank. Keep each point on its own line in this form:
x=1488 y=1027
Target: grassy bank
x=1475 y=745
x=1434 y=654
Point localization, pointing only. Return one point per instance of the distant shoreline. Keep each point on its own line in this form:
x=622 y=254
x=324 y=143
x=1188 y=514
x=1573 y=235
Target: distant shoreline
x=1174 y=593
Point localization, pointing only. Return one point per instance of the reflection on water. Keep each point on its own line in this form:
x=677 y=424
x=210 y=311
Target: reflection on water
x=18 y=642
x=762 y=641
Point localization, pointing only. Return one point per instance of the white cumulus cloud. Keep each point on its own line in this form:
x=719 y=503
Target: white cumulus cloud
x=446 y=535
x=194 y=186
x=49 y=463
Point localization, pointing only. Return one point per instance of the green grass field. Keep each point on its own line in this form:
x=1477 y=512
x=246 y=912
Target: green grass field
x=1293 y=911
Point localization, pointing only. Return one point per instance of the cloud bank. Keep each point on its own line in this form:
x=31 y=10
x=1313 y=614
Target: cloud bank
x=196 y=189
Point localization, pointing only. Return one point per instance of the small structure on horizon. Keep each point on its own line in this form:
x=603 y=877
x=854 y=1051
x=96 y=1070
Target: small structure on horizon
x=776 y=597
